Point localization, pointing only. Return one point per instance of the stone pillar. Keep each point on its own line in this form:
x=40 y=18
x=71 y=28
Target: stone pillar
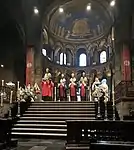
x=38 y=68
x=126 y=67
x=30 y=65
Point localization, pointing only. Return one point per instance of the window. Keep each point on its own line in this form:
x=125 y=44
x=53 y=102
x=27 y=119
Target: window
x=63 y=57
x=82 y=60
x=103 y=57
x=44 y=52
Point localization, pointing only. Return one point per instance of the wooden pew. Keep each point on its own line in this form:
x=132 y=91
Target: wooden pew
x=81 y=132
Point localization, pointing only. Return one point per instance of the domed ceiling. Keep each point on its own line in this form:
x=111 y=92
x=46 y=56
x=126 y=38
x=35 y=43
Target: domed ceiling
x=76 y=23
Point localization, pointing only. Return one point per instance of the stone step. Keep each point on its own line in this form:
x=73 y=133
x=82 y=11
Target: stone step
x=59 y=109
x=42 y=121
x=41 y=125
x=63 y=102
x=60 y=115
x=63 y=106
x=40 y=134
x=39 y=129
x=59 y=118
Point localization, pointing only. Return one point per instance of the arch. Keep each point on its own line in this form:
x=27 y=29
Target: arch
x=103 y=57
x=45 y=36
x=80 y=55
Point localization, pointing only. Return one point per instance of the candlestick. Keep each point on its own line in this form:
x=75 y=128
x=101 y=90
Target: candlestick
x=1 y=99
x=11 y=97
x=113 y=99
x=55 y=94
x=2 y=82
x=18 y=85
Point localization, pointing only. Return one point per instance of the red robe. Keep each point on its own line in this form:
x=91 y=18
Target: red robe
x=44 y=88
x=73 y=90
x=82 y=91
x=47 y=88
x=62 y=92
x=50 y=89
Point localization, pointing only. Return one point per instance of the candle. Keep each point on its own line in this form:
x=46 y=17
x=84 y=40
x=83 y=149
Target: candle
x=55 y=93
x=1 y=99
x=18 y=85
x=113 y=99
x=2 y=82
x=11 y=97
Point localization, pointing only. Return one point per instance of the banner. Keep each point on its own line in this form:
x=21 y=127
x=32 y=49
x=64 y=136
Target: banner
x=29 y=65
x=126 y=65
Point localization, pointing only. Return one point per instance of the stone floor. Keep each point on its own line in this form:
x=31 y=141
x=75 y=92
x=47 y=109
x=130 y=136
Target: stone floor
x=39 y=144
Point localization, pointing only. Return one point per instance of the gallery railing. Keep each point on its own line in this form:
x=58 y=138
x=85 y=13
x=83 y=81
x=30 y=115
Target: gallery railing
x=124 y=89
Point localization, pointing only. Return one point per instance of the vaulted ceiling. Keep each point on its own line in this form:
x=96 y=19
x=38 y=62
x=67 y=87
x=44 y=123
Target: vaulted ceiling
x=76 y=22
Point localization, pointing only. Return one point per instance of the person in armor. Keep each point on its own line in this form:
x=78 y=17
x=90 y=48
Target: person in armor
x=72 y=87
x=83 y=86
x=62 y=88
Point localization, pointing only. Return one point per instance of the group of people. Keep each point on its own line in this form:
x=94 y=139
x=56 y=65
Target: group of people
x=49 y=90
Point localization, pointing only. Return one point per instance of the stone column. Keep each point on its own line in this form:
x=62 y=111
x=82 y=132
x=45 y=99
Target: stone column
x=38 y=68
x=30 y=65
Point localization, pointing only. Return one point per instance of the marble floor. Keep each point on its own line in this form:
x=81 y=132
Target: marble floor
x=40 y=144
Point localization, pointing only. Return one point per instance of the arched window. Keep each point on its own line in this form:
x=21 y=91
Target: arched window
x=103 y=57
x=82 y=60
x=63 y=57
x=44 y=52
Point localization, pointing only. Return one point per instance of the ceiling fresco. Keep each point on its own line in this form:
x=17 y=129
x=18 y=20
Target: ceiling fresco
x=76 y=23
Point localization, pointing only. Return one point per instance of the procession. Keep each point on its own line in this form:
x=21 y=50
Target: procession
x=72 y=90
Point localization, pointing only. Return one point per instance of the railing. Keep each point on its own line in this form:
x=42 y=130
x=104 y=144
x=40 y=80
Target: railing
x=124 y=89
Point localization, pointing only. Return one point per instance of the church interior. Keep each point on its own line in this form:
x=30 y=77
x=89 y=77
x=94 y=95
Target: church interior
x=66 y=74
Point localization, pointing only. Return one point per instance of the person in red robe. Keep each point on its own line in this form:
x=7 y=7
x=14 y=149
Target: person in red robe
x=45 y=89
x=62 y=88
x=50 y=90
x=83 y=86
x=72 y=86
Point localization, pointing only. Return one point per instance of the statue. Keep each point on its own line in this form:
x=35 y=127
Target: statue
x=62 y=88
x=83 y=86
x=47 y=86
x=72 y=87
x=95 y=88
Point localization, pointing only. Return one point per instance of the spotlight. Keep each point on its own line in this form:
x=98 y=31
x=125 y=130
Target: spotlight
x=36 y=11
x=112 y=3
x=88 y=7
x=61 y=10
x=2 y=66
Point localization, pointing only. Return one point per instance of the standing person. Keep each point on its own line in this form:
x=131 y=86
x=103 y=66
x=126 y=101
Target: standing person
x=83 y=86
x=62 y=88
x=37 y=91
x=50 y=90
x=45 y=89
x=95 y=88
x=73 y=87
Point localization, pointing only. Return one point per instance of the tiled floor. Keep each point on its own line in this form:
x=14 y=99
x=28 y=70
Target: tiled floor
x=39 y=144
